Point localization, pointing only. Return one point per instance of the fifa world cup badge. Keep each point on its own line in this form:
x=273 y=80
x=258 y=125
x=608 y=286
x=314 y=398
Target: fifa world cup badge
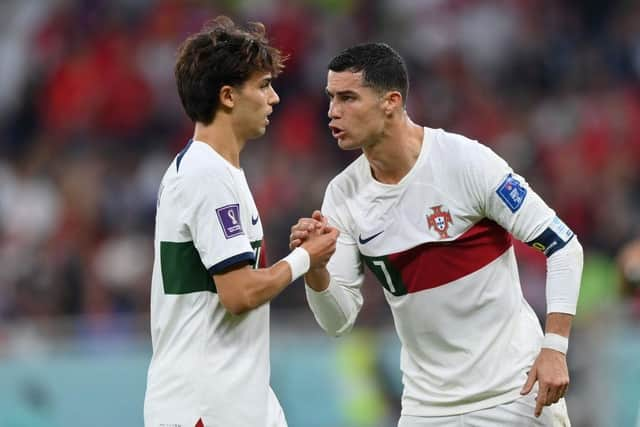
x=439 y=220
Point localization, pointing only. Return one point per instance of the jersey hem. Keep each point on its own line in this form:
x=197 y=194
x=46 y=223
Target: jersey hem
x=421 y=410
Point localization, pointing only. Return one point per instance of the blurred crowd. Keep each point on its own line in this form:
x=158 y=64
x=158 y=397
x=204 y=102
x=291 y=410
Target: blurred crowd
x=90 y=119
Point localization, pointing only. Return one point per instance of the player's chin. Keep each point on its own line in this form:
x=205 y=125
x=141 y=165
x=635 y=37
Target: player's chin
x=259 y=132
x=347 y=144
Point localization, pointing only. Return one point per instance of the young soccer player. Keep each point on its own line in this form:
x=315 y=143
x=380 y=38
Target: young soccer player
x=210 y=287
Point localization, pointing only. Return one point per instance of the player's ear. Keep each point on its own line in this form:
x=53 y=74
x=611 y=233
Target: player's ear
x=392 y=102
x=227 y=96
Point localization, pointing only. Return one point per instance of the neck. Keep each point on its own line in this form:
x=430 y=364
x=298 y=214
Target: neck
x=221 y=137
x=392 y=157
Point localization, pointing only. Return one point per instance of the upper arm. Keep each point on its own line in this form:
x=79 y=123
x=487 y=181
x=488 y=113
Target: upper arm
x=508 y=199
x=231 y=285
x=212 y=215
x=213 y=218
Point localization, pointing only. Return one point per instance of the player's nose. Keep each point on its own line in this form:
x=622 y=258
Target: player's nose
x=275 y=99
x=333 y=112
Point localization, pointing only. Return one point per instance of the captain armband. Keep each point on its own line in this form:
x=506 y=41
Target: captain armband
x=555 y=237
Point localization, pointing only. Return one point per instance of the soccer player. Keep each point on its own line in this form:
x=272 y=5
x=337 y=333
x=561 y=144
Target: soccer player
x=432 y=215
x=211 y=289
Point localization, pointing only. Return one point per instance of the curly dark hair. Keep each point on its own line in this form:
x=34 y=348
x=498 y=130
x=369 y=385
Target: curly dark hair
x=221 y=54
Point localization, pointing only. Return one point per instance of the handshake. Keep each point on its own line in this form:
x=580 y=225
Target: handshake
x=316 y=237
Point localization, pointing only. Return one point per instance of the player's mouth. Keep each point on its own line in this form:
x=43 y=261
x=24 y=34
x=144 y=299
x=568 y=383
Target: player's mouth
x=266 y=118
x=336 y=132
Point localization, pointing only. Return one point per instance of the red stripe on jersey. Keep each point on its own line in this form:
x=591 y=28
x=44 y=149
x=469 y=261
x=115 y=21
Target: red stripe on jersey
x=435 y=264
x=262 y=260
x=199 y=423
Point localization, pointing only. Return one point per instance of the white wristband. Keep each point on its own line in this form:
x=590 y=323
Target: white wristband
x=298 y=261
x=556 y=342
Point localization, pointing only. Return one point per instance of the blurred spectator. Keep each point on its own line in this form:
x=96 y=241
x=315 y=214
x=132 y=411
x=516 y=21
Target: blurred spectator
x=629 y=267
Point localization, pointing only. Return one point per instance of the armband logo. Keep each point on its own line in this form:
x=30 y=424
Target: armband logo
x=512 y=193
x=539 y=246
x=229 y=217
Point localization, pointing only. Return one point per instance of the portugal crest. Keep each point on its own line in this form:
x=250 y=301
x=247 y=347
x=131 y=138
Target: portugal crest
x=439 y=220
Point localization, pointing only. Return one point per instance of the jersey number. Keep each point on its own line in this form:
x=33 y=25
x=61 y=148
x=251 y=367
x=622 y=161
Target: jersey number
x=387 y=276
x=256 y=252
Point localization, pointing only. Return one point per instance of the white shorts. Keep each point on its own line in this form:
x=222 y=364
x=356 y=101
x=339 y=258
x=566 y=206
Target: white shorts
x=517 y=413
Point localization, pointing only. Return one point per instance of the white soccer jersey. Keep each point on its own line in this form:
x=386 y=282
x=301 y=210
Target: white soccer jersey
x=208 y=366
x=440 y=244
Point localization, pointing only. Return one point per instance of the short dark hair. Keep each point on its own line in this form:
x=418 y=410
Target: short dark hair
x=221 y=54
x=382 y=67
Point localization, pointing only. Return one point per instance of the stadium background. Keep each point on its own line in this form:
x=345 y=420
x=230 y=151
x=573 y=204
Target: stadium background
x=89 y=120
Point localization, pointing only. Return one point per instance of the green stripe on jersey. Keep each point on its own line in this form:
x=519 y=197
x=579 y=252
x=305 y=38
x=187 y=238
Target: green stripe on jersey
x=182 y=270
x=386 y=273
x=184 y=273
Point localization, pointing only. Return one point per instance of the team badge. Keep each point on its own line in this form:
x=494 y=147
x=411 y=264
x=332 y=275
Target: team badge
x=440 y=220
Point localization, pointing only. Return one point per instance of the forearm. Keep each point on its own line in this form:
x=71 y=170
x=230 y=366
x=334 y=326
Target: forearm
x=243 y=289
x=558 y=323
x=557 y=330
x=335 y=307
x=317 y=279
x=564 y=272
x=262 y=285
x=333 y=292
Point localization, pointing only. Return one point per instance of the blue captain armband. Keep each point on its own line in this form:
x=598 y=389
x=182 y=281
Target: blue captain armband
x=555 y=237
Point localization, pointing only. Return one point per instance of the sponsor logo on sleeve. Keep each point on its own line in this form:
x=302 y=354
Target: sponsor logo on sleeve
x=229 y=217
x=512 y=193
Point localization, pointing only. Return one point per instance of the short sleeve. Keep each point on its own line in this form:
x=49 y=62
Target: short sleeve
x=214 y=220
